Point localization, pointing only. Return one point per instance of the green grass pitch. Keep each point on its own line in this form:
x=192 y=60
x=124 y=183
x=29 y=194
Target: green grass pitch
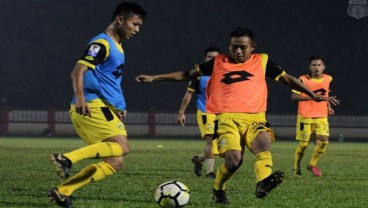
x=26 y=175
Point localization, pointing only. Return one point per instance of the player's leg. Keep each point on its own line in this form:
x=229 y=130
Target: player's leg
x=198 y=160
x=263 y=162
x=209 y=157
x=233 y=160
x=260 y=147
x=62 y=194
x=230 y=148
x=206 y=127
x=322 y=140
x=98 y=171
x=94 y=131
x=298 y=156
x=211 y=146
x=103 y=124
x=303 y=134
x=102 y=149
x=90 y=174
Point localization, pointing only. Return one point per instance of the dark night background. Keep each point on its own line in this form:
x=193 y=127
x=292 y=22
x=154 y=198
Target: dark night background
x=40 y=41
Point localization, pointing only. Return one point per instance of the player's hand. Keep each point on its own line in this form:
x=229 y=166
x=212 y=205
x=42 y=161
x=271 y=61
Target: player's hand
x=331 y=111
x=181 y=119
x=144 y=78
x=82 y=108
x=122 y=115
x=334 y=100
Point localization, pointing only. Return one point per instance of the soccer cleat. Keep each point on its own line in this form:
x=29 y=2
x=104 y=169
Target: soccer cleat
x=268 y=184
x=219 y=197
x=211 y=175
x=315 y=170
x=197 y=166
x=297 y=172
x=60 y=199
x=62 y=164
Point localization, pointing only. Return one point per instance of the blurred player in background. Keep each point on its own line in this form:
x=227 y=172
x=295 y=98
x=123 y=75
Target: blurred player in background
x=312 y=115
x=98 y=106
x=205 y=120
x=237 y=94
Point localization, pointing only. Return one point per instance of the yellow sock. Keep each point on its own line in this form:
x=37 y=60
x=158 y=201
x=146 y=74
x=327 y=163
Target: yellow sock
x=222 y=176
x=299 y=153
x=101 y=149
x=318 y=151
x=263 y=165
x=89 y=174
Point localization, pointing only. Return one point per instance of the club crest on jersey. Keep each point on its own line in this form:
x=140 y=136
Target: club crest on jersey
x=93 y=50
x=221 y=142
x=120 y=125
x=357 y=8
x=209 y=127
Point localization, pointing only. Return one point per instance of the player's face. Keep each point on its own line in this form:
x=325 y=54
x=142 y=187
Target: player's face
x=210 y=55
x=317 y=67
x=129 y=27
x=241 y=48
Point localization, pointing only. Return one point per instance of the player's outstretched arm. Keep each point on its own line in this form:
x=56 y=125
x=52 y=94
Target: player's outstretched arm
x=184 y=104
x=173 y=76
x=295 y=84
x=298 y=97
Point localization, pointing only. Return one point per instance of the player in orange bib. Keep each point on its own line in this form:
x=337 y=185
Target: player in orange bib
x=237 y=94
x=312 y=116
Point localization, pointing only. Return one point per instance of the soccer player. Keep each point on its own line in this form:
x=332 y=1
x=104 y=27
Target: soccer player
x=312 y=116
x=237 y=94
x=205 y=120
x=98 y=106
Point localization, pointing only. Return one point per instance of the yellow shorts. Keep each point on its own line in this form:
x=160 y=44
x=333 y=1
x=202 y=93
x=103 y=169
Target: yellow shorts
x=236 y=130
x=103 y=123
x=205 y=123
x=206 y=126
x=306 y=126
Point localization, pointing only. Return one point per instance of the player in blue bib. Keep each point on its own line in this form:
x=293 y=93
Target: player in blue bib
x=205 y=120
x=98 y=106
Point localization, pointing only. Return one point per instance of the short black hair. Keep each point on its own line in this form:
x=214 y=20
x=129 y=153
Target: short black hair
x=313 y=58
x=129 y=9
x=211 y=49
x=242 y=31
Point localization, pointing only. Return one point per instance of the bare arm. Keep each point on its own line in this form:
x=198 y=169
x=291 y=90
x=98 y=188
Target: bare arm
x=331 y=100
x=184 y=104
x=294 y=83
x=298 y=97
x=77 y=81
x=173 y=76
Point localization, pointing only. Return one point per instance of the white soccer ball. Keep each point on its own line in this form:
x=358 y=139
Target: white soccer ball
x=172 y=194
